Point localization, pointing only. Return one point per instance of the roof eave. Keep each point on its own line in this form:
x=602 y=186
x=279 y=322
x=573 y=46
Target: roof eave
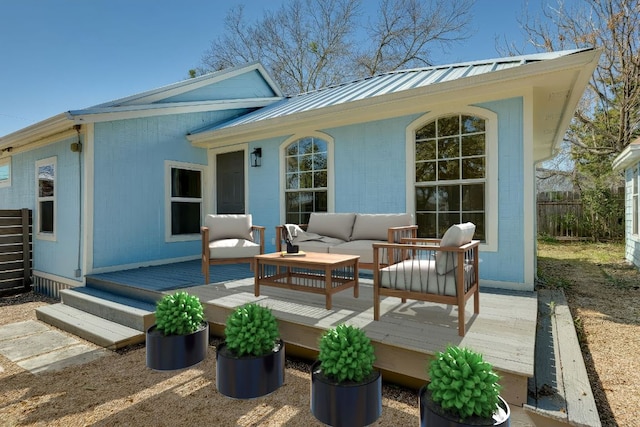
x=628 y=157
x=50 y=130
x=95 y=115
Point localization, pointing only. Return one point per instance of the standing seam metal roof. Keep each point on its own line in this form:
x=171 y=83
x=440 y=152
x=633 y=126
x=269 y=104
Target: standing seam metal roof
x=391 y=82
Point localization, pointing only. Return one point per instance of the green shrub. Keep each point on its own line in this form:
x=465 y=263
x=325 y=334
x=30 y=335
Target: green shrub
x=346 y=354
x=179 y=314
x=463 y=384
x=251 y=330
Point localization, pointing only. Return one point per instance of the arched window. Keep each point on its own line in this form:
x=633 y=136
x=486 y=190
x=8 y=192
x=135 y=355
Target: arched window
x=451 y=174
x=306 y=176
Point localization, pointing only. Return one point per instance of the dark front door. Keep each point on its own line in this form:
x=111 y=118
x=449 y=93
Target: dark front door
x=230 y=182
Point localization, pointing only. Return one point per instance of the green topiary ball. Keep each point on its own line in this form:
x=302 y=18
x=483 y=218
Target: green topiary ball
x=346 y=354
x=251 y=330
x=179 y=314
x=463 y=384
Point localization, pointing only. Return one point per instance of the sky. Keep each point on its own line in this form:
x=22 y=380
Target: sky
x=60 y=55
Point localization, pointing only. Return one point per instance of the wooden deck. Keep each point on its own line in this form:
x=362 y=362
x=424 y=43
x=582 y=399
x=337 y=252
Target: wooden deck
x=405 y=338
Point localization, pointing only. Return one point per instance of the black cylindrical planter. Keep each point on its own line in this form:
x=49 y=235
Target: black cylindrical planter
x=432 y=416
x=249 y=377
x=170 y=352
x=350 y=404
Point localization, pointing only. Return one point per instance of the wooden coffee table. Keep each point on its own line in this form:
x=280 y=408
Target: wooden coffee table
x=316 y=272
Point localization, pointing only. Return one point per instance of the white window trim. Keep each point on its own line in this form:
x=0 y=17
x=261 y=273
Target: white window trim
x=330 y=169
x=168 y=165
x=40 y=235
x=6 y=162
x=635 y=201
x=491 y=153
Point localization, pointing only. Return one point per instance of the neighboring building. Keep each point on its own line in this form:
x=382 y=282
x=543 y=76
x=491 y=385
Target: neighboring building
x=127 y=183
x=628 y=162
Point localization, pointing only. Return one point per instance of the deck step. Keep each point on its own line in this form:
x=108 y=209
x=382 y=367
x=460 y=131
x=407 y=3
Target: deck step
x=95 y=329
x=560 y=388
x=106 y=284
x=126 y=311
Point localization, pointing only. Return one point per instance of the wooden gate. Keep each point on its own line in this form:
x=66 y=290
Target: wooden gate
x=15 y=251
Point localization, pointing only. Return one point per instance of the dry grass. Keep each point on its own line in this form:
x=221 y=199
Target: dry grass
x=603 y=292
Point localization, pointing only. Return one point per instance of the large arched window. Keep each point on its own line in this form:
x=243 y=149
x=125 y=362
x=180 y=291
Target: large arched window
x=306 y=178
x=451 y=174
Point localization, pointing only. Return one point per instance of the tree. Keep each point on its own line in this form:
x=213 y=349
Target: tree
x=310 y=44
x=608 y=117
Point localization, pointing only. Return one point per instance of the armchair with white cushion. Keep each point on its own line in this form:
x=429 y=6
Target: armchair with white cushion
x=230 y=239
x=436 y=270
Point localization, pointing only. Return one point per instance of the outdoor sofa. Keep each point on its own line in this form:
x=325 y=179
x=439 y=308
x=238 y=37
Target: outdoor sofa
x=348 y=233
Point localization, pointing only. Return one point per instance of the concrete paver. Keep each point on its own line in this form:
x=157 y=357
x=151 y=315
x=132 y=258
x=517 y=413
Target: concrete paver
x=37 y=348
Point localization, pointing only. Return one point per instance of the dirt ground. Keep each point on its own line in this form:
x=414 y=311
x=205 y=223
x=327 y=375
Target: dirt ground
x=603 y=292
x=118 y=390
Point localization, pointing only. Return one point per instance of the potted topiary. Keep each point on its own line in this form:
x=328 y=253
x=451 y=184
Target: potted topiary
x=345 y=389
x=463 y=391
x=180 y=336
x=250 y=362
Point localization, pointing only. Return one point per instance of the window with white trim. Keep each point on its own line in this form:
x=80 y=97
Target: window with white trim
x=185 y=199
x=635 y=207
x=451 y=175
x=5 y=172
x=46 y=192
x=306 y=178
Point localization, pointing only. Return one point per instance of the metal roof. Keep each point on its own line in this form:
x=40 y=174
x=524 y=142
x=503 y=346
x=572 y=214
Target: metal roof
x=383 y=84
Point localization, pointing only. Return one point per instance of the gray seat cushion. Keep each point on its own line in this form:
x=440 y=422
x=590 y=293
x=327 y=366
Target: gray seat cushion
x=362 y=248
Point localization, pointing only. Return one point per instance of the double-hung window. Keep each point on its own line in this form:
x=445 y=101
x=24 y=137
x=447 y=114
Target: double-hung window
x=185 y=200
x=306 y=178
x=451 y=174
x=5 y=172
x=46 y=191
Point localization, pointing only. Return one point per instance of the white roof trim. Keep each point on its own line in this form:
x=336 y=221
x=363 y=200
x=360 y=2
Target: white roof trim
x=629 y=156
x=95 y=115
x=184 y=86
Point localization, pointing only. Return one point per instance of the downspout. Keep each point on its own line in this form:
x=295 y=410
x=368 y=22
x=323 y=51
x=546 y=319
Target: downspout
x=77 y=148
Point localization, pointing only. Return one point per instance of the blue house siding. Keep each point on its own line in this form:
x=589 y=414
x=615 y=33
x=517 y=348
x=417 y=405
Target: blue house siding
x=370 y=168
x=129 y=186
x=59 y=257
x=507 y=264
x=248 y=85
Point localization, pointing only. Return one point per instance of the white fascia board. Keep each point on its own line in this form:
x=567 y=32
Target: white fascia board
x=179 y=88
x=95 y=115
x=629 y=156
x=42 y=133
x=489 y=86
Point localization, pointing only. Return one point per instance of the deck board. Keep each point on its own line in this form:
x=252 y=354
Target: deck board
x=406 y=336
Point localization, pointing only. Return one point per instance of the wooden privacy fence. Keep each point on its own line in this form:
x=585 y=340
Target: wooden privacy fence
x=561 y=214
x=15 y=251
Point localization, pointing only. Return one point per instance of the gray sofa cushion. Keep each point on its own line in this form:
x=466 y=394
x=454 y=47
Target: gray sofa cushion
x=229 y=226
x=376 y=226
x=338 y=225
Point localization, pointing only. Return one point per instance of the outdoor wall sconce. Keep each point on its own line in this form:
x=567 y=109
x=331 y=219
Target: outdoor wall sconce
x=256 y=158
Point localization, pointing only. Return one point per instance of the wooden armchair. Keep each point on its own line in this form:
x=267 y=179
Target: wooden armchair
x=230 y=239
x=436 y=270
